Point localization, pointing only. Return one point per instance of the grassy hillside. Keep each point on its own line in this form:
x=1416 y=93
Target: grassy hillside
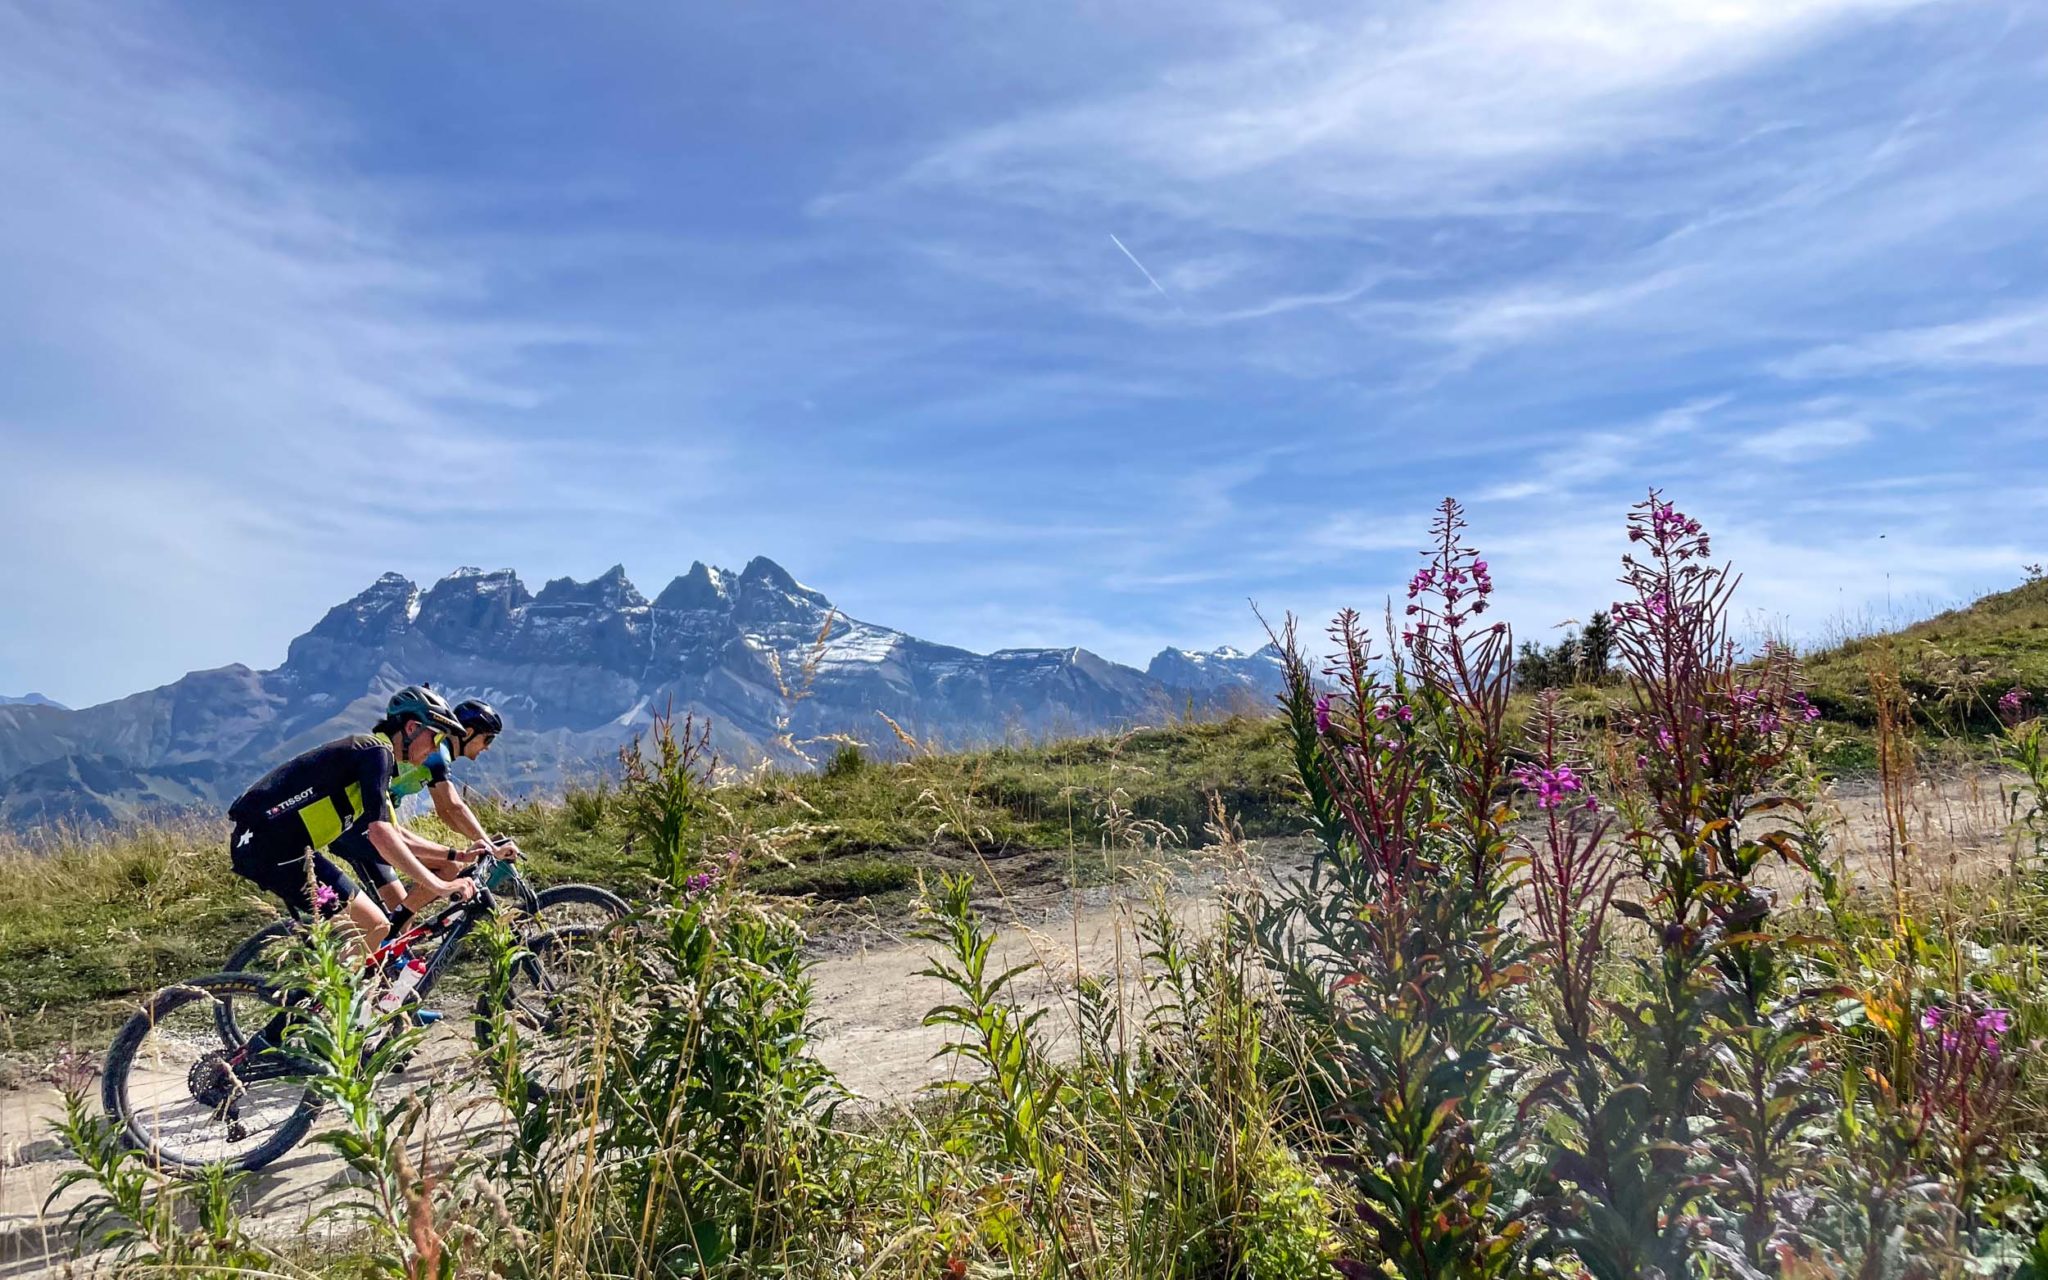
x=101 y=916
x=1954 y=666
x=87 y=924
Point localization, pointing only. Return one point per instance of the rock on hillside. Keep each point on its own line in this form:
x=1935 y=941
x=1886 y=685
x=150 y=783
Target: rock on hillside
x=579 y=667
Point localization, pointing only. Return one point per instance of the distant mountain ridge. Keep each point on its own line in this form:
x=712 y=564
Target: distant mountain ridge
x=578 y=668
x=31 y=700
x=1259 y=675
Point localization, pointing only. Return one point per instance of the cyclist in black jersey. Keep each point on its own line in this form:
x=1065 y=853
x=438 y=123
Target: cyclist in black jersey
x=480 y=726
x=286 y=821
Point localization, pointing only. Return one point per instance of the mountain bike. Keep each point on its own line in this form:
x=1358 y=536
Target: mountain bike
x=188 y=1097
x=555 y=906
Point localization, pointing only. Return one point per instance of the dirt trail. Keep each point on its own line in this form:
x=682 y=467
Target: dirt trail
x=871 y=999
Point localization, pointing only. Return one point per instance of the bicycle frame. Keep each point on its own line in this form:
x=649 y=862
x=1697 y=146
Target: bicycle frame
x=451 y=924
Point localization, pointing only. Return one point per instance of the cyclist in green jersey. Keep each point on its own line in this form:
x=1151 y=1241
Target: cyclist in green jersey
x=480 y=726
x=285 y=822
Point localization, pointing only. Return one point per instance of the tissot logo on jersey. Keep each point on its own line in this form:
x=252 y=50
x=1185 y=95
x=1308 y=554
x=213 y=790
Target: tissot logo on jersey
x=286 y=806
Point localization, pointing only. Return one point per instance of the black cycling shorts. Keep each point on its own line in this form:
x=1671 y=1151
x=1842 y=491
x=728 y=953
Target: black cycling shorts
x=355 y=849
x=285 y=867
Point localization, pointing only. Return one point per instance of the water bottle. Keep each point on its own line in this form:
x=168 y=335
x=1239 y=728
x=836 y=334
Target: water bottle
x=402 y=984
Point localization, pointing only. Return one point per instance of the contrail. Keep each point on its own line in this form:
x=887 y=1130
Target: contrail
x=1141 y=268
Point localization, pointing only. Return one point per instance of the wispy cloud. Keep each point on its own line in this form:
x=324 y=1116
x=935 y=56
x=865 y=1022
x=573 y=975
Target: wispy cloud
x=2011 y=339
x=208 y=305
x=1424 y=107
x=1797 y=441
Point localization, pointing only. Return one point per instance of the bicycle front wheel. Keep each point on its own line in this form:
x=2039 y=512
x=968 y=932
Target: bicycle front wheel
x=187 y=1099
x=579 y=904
x=544 y=1016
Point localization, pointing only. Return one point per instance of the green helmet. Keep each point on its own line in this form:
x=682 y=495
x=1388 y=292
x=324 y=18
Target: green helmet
x=417 y=702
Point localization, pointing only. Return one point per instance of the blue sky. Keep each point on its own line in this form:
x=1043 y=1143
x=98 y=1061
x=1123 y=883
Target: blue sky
x=1005 y=324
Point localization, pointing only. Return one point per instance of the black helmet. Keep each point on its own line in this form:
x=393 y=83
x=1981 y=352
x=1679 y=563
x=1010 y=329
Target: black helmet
x=417 y=702
x=478 y=716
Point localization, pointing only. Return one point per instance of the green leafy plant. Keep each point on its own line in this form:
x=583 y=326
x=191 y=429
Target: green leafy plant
x=1395 y=945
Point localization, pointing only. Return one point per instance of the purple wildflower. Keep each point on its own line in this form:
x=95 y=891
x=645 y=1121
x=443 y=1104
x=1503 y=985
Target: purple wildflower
x=2014 y=704
x=1993 y=1024
x=324 y=898
x=1323 y=714
x=1988 y=1027
x=1550 y=785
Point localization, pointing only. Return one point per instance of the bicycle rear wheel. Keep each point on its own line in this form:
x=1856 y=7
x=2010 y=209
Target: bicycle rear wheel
x=187 y=1100
x=259 y=955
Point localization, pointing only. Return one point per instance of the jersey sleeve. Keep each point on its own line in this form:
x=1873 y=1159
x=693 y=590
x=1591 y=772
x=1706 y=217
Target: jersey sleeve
x=373 y=776
x=437 y=767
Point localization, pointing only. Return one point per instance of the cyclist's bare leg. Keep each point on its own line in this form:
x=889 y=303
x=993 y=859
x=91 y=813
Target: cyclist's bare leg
x=367 y=923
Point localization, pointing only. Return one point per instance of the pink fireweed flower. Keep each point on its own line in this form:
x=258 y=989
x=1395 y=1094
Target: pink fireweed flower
x=1991 y=1025
x=2013 y=703
x=324 y=898
x=1323 y=714
x=1986 y=1029
x=1550 y=785
x=698 y=883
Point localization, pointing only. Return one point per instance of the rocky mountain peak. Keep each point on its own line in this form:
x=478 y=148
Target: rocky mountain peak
x=703 y=587
x=377 y=612
x=610 y=590
x=767 y=595
x=761 y=572
x=31 y=700
x=1220 y=671
x=467 y=608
